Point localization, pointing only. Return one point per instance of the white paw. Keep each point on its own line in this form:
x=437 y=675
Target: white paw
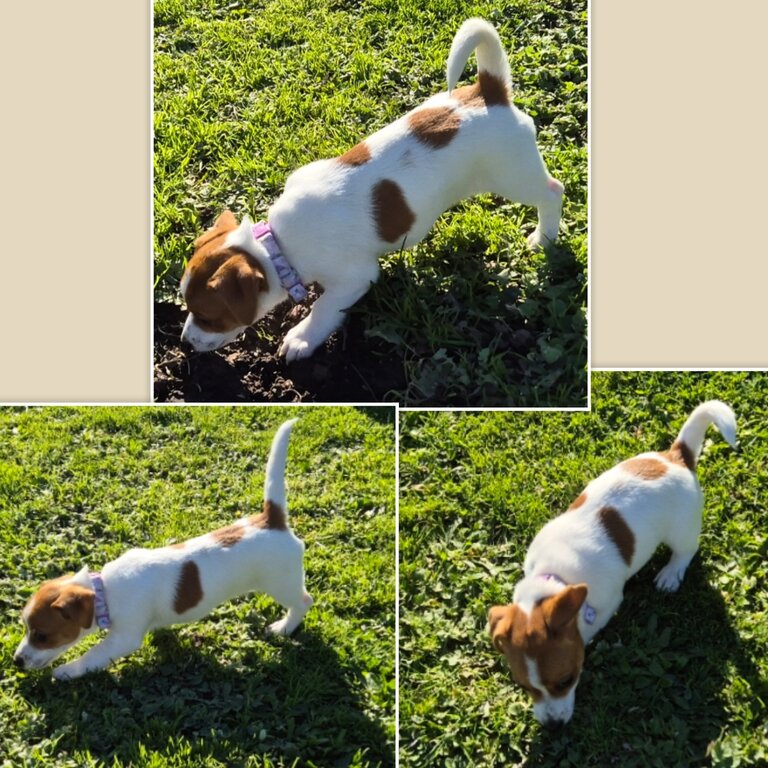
x=536 y=240
x=278 y=627
x=67 y=672
x=669 y=578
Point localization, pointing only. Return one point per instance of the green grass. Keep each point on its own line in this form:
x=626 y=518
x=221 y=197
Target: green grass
x=246 y=92
x=673 y=680
x=81 y=485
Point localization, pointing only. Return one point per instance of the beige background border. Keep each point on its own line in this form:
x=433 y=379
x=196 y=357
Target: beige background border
x=679 y=268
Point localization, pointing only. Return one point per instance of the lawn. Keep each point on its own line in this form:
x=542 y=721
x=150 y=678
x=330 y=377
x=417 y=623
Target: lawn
x=246 y=92
x=673 y=680
x=81 y=485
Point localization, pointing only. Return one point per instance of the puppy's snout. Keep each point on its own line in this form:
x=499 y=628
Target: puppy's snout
x=553 y=724
x=19 y=661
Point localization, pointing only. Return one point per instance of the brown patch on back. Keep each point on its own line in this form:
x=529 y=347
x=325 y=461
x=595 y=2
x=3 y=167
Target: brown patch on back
x=645 y=468
x=618 y=532
x=57 y=612
x=434 y=126
x=358 y=155
x=222 y=284
x=189 y=591
x=488 y=91
x=272 y=518
x=681 y=454
x=229 y=535
x=391 y=211
x=578 y=501
x=549 y=637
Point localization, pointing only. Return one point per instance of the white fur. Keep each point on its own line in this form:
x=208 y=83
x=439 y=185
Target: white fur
x=576 y=547
x=140 y=586
x=324 y=219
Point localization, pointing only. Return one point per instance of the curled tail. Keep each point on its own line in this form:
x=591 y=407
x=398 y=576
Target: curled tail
x=477 y=35
x=691 y=436
x=274 y=481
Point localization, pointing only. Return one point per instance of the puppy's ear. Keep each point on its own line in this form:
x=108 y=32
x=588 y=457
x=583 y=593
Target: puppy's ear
x=75 y=603
x=238 y=282
x=224 y=224
x=500 y=621
x=562 y=608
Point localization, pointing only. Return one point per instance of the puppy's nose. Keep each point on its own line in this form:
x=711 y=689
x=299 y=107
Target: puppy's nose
x=19 y=661
x=553 y=724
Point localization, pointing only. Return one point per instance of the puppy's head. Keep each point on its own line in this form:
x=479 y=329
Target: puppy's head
x=57 y=616
x=544 y=650
x=221 y=285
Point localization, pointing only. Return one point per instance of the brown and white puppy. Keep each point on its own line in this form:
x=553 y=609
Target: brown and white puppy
x=146 y=589
x=577 y=564
x=336 y=217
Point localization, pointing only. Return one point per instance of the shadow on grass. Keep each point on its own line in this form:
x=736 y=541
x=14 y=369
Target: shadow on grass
x=652 y=688
x=186 y=705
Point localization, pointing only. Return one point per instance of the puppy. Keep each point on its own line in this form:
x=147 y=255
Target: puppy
x=146 y=589
x=336 y=217
x=577 y=564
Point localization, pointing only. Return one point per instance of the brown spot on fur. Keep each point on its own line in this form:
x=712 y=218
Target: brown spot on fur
x=391 y=212
x=272 y=518
x=358 y=155
x=179 y=545
x=618 y=532
x=549 y=637
x=434 y=126
x=222 y=284
x=57 y=612
x=681 y=454
x=645 y=468
x=578 y=501
x=229 y=535
x=488 y=91
x=189 y=591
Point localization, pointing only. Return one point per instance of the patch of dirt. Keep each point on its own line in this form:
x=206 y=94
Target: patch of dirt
x=348 y=368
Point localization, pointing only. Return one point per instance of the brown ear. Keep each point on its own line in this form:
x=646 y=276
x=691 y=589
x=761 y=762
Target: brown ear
x=562 y=608
x=224 y=224
x=238 y=282
x=500 y=621
x=75 y=604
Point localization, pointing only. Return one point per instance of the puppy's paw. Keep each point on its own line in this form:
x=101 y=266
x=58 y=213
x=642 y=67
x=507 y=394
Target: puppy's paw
x=669 y=578
x=536 y=240
x=68 y=671
x=278 y=627
x=296 y=346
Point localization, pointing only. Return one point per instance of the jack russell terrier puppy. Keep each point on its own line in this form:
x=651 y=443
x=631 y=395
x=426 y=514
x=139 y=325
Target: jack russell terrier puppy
x=146 y=589
x=577 y=564
x=336 y=217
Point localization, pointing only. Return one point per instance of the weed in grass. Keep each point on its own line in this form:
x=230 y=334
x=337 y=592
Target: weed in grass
x=678 y=679
x=82 y=485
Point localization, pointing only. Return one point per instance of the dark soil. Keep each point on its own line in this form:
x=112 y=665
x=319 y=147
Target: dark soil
x=348 y=368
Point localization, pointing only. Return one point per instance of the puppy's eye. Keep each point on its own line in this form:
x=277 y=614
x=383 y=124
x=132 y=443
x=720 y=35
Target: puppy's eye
x=566 y=682
x=39 y=637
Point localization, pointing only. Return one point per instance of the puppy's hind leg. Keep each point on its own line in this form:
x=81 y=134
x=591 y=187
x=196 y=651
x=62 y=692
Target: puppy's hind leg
x=550 y=209
x=683 y=540
x=291 y=594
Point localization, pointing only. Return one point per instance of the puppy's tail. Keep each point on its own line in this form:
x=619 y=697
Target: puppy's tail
x=691 y=436
x=274 y=482
x=477 y=35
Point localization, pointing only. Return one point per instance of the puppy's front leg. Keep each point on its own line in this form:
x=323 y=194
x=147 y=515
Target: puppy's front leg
x=113 y=646
x=326 y=316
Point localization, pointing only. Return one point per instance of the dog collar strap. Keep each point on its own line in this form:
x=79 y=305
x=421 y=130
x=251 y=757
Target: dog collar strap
x=588 y=613
x=289 y=277
x=100 y=602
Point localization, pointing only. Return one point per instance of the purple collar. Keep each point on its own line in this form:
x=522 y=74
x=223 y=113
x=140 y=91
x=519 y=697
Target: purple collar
x=101 y=612
x=289 y=277
x=589 y=614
